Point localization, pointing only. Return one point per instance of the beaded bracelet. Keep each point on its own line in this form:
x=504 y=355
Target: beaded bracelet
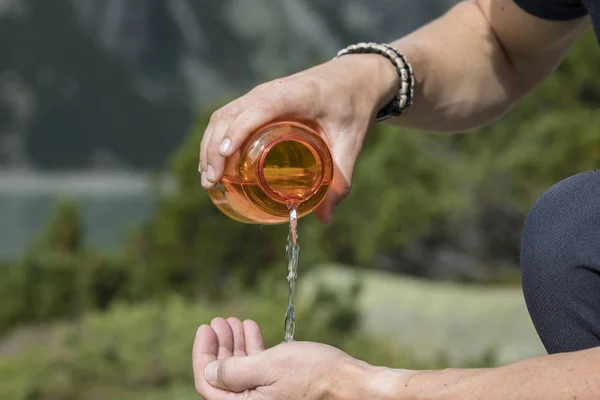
x=404 y=97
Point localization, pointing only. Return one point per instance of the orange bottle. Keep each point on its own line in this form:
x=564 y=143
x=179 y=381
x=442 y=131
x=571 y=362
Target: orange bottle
x=279 y=164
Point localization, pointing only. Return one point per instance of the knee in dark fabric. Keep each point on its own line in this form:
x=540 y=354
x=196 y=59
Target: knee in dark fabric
x=560 y=261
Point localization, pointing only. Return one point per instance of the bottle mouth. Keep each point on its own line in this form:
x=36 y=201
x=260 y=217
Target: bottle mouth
x=290 y=170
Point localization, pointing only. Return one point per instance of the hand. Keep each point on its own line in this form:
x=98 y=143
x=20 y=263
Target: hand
x=230 y=363
x=342 y=96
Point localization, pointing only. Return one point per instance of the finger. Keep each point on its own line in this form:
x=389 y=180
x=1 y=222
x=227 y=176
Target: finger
x=214 y=119
x=206 y=138
x=211 y=162
x=326 y=208
x=215 y=162
x=202 y=169
x=253 y=338
x=239 y=342
x=225 y=336
x=205 y=183
x=338 y=191
x=237 y=374
x=277 y=101
x=206 y=346
x=221 y=144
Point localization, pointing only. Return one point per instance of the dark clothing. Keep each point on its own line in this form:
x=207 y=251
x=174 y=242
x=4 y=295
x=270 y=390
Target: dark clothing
x=563 y=10
x=560 y=246
x=560 y=260
x=555 y=10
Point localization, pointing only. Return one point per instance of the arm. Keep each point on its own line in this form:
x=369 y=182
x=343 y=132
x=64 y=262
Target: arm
x=471 y=65
x=556 y=377
x=478 y=60
x=315 y=371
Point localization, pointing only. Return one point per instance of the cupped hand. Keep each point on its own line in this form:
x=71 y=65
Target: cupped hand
x=230 y=363
x=342 y=96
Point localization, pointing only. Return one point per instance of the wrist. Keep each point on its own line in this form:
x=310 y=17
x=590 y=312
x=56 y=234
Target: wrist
x=379 y=383
x=364 y=381
x=387 y=383
x=377 y=78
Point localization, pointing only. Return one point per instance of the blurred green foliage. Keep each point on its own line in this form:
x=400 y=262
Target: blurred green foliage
x=144 y=352
x=416 y=198
x=59 y=277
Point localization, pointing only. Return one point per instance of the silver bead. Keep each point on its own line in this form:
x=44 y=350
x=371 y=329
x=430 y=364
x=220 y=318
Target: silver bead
x=404 y=88
x=403 y=100
x=399 y=62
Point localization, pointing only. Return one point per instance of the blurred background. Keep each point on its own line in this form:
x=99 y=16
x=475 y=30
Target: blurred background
x=111 y=253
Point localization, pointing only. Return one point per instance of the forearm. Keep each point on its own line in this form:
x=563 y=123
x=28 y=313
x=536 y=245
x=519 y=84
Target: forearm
x=470 y=66
x=463 y=76
x=556 y=377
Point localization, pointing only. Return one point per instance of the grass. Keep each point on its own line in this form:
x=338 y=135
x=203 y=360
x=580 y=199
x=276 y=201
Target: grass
x=143 y=352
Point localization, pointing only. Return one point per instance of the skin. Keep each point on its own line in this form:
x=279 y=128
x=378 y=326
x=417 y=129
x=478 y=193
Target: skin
x=235 y=366
x=471 y=65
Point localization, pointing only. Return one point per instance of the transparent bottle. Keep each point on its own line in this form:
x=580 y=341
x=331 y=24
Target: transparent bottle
x=281 y=163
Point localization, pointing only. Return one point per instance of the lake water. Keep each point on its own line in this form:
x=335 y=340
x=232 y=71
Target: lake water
x=110 y=204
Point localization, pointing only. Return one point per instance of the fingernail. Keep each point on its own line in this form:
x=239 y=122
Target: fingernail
x=203 y=180
x=225 y=147
x=210 y=372
x=210 y=173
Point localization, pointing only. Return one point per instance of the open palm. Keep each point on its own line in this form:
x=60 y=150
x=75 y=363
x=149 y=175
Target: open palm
x=231 y=363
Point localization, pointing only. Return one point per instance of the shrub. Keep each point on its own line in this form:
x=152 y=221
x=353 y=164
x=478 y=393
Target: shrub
x=144 y=351
x=58 y=277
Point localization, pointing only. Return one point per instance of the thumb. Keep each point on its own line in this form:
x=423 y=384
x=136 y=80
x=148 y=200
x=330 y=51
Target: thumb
x=325 y=210
x=235 y=374
x=338 y=191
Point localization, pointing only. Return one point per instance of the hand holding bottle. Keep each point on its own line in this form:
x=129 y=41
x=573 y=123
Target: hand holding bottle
x=342 y=96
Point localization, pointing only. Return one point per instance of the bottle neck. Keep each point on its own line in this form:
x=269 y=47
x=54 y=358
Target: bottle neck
x=290 y=169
